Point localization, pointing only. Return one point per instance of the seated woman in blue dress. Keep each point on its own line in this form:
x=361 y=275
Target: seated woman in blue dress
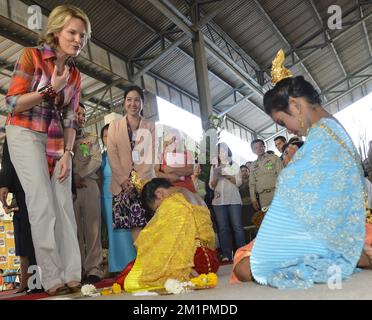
x=316 y=222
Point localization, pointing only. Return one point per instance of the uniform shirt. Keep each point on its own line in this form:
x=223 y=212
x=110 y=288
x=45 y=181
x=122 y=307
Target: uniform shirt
x=88 y=158
x=226 y=192
x=244 y=191
x=263 y=174
x=32 y=72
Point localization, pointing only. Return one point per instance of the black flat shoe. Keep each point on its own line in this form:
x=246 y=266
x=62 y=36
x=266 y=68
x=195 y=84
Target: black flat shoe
x=91 y=279
x=25 y=289
x=34 y=291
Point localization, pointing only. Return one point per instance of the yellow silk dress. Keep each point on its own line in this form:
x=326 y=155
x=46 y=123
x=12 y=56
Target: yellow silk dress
x=166 y=246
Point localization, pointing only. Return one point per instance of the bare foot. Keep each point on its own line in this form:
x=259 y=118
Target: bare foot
x=73 y=284
x=365 y=260
x=242 y=270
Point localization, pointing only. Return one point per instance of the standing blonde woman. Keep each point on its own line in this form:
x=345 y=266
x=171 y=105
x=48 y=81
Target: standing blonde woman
x=42 y=100
x=131 y=148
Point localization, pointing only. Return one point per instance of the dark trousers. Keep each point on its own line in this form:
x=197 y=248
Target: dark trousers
x=22 y=230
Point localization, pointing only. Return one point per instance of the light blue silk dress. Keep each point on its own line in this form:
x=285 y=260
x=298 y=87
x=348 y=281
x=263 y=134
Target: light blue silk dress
x=315 y=226
x=120 y=242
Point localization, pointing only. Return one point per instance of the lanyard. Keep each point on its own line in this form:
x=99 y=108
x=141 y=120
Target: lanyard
x=131 y=133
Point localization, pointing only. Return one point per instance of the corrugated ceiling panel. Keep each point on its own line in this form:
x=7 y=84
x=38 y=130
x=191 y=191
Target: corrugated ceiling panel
x=293 y=18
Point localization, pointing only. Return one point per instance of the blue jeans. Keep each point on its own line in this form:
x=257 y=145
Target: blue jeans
x=225 y=215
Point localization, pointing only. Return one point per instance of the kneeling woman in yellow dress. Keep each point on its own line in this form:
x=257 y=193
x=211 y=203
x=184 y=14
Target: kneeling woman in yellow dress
x=178 y=240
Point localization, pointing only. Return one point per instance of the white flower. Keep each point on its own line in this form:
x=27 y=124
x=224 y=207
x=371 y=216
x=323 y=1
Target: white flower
x=88 y=290
x=176 y=287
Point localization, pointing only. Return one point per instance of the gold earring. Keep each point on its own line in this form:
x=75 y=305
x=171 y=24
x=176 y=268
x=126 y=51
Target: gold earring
x=302 y=125
x=301 y=120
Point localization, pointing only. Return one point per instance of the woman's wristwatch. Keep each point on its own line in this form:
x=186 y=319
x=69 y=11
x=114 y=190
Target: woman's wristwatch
x=71 y=152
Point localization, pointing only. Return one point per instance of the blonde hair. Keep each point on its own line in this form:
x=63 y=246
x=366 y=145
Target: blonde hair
x=58 y=18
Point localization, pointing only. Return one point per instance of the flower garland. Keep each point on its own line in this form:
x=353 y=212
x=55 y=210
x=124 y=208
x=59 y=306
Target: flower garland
x=176 y=287
x=90 y=290
x=203 y=281
x=172 y=286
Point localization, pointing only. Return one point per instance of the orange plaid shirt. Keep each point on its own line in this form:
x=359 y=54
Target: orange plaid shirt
x=32 y=72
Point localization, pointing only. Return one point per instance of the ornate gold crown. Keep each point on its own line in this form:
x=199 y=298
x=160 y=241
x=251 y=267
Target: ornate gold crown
x=137 y=182
x=278 y=71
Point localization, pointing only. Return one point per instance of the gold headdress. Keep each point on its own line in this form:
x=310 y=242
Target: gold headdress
x=278 y=71
x=137 y=182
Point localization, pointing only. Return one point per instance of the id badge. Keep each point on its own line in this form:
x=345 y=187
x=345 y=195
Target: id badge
x=135 y=156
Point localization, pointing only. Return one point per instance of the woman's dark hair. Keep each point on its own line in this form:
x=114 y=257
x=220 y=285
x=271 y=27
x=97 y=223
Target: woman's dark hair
x=277 y=98
x=229 y=153
x=148 y=192
x=294 y=139
x=137 y=89
x=299 y=144
x=105 y=127
x=285 y=146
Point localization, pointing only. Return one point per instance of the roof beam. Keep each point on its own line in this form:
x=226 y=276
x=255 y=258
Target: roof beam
x=361 y=15
x=236 y=104
x=266 y=127
x=215 y=51
x=204 y=20
x=338 y=36
x=228 y=94
x=273 y=25
x=171 y=12
x=29 y=38
x=302 y=44
x=329 y=39
x=347 y=78
x=343 y=93
x=159 y=57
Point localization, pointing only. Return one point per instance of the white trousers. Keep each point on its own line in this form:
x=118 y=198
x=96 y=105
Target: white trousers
x=49 y=205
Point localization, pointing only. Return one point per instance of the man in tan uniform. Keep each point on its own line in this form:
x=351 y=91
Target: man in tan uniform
x=87 y=205
x=263 y=174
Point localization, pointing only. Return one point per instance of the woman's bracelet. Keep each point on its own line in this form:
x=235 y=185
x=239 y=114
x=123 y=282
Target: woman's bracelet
x=47 y=92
